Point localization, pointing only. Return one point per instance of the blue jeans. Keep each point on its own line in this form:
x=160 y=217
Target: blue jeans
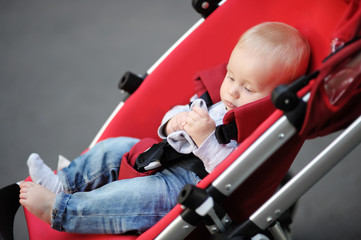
x=95 y=201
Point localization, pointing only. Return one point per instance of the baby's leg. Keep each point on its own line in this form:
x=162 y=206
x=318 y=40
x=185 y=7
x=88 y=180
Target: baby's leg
x=121 y=206
x=93 y=169
x=37 y=199
x=97 y=167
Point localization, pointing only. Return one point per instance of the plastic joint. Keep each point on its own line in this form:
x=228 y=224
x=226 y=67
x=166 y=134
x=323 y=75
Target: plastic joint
x=205 y=7
x=192 y=197
x=284 y=97
x=129 y=82
x=202 y=207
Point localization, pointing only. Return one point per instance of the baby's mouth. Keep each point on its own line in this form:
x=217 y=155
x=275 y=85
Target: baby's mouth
x=230 y=105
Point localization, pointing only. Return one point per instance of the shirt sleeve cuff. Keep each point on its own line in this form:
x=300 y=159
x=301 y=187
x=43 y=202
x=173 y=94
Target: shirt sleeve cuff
x=212 y=153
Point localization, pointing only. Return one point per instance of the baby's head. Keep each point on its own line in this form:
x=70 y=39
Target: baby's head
x=266 y=56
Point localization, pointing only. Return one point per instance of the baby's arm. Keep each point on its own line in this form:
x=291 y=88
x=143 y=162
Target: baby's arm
x=208 y=149
x=199 y=125
x=212 y=153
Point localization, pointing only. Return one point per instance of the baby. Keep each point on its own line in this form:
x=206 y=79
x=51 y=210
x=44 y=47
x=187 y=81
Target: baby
x=88 y=192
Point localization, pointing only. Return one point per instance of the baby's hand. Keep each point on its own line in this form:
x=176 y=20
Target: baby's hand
x=176 y=123
x=199 y=125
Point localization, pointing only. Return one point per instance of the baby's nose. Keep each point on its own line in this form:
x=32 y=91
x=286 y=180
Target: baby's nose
x=234 y=93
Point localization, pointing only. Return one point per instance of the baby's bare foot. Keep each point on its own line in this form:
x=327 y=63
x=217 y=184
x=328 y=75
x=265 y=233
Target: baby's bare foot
x=37 y=199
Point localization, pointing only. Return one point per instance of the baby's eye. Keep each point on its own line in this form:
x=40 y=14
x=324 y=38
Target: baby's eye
x=230 y=77
x=247 y=89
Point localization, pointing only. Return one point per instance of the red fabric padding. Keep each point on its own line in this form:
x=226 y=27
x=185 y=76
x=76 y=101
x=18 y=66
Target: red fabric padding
x=128 y=160
x=214 y=77
x=249 y=116
x=349 y=25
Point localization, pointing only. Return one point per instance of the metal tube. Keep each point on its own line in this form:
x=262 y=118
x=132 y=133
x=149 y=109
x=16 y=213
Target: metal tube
x=177 y=229
x=278 y=233
x=308 y=176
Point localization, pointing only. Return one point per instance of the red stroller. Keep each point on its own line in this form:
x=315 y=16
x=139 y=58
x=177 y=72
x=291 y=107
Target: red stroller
x=335 y=91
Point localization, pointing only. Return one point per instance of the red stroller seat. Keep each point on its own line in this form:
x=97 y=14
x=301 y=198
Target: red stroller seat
x=208 y=45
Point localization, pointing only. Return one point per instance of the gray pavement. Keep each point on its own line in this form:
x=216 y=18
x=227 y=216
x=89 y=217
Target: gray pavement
x=60 y=62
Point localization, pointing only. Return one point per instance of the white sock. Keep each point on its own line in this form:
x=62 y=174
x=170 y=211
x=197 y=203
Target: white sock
x=43 y=175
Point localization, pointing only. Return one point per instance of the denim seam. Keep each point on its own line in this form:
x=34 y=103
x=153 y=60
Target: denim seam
x=58 y=214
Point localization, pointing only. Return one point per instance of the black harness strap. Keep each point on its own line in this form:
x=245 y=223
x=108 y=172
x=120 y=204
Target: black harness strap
x=167 y=156
x=226 y=132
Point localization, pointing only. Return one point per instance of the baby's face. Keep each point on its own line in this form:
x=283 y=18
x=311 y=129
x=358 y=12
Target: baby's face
x=249 y=78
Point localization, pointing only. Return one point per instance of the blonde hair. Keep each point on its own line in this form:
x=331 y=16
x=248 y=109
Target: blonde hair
x=283 y=43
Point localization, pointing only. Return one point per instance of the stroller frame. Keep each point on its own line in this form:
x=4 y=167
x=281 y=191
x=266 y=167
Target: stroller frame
x=257 y=152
